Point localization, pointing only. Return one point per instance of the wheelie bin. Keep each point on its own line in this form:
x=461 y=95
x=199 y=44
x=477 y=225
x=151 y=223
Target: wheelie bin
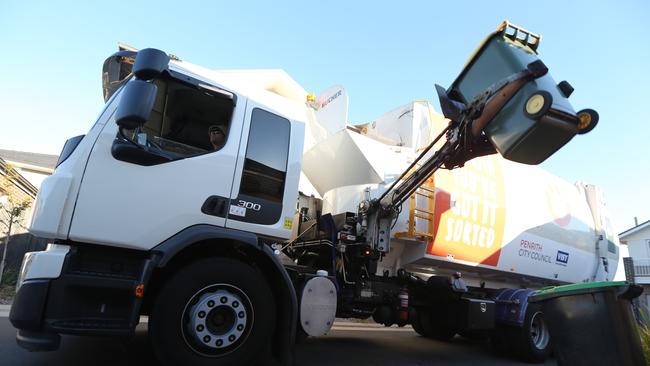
x=592 y=323
x=539 y=119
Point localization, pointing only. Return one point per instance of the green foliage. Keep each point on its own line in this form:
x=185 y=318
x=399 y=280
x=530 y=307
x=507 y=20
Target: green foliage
x=10 y=277
x=7 y=293
x=644 y=333
x=12 y=208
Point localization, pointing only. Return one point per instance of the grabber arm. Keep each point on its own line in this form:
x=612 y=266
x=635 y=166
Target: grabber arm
x=464 y=135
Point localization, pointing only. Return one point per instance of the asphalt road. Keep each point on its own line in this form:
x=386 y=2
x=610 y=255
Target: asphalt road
x=348 y=344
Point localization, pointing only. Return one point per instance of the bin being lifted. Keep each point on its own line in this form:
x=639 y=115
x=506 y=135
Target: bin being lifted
x=531 y=116
x=523 y=112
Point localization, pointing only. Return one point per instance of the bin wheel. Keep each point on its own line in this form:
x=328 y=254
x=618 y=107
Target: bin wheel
x=215 y=311
x=532 y=342
x=538 y=104
x=587 y=120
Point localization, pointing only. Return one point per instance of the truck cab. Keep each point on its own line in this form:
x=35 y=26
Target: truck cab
x=252 y=178
x=213 y=162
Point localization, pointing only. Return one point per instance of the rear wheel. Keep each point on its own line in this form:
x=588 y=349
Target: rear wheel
x=474 y=335
x=499 y=339
x=216 y=311
x=532 y=342
x=427 y=326
x=301 y=335
x=418 y=325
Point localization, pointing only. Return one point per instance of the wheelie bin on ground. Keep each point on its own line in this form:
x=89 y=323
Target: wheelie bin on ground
x=592 y=323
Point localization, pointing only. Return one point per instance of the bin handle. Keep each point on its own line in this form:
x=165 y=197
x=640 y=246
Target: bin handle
x=631 y=292
x=498 y=94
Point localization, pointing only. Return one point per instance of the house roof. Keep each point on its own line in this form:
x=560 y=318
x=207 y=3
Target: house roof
x=18 y=180
x=34 y=160
x=634 y=229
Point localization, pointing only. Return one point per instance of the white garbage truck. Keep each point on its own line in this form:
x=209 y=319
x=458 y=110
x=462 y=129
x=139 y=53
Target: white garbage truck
x=238 y=212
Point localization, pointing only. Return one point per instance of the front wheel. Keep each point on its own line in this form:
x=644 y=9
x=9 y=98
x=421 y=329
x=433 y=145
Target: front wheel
x=216 y=311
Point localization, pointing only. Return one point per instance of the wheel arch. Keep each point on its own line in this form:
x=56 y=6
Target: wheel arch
x=511 y=306
x=200 y=241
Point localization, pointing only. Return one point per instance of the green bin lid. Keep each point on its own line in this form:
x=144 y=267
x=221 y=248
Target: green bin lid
x=573 y=289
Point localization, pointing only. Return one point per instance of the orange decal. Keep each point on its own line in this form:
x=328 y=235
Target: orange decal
x=469 y=212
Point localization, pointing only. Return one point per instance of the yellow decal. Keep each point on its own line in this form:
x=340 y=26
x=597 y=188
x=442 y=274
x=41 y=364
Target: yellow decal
x=288 y=223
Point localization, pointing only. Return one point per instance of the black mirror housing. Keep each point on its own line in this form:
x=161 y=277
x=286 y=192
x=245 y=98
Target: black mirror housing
x=135 y=106
x=149 y=63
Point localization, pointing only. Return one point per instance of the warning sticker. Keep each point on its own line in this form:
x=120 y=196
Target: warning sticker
x=237 y=210
x=288 y=223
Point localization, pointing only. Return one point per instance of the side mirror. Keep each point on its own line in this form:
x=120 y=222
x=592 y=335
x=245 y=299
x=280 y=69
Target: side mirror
x=149 y=63
x=136 y=104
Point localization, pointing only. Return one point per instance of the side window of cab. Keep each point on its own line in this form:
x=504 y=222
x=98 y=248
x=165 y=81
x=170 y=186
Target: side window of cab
x=185 y=121
x=265 y=168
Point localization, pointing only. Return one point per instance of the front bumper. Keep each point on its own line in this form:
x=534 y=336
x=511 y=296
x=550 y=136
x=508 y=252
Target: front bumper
x=94 y=294
x=27 y=314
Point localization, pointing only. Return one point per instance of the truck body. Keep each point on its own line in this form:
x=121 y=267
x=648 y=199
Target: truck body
x=239 y=212
x=481 y=218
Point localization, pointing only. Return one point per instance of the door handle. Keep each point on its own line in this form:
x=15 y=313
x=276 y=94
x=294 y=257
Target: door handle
x=215 y=206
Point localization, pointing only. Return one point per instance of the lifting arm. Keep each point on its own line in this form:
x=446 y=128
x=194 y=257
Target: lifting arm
x=465 y=140
x=464 y=134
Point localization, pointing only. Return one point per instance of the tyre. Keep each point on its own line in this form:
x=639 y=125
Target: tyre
x=532 y=342
x=474 y=335
x=301 y=335
x=427 y=326
x=587 y=120
x=216 y=311
x=442 y=332
x=499 y=339
x=417 y=324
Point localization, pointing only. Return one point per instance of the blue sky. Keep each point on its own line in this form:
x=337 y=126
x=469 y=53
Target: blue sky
x=384 y=54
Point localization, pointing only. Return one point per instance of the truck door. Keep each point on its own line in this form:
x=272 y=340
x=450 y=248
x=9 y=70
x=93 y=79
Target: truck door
x=265 y=184
x=143 y=186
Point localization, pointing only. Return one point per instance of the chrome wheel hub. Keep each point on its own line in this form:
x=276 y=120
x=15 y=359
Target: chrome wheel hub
x=217 y=320
x=539 y=331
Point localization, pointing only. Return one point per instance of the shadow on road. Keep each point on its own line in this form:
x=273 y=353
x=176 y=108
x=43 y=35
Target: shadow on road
x=341 y=347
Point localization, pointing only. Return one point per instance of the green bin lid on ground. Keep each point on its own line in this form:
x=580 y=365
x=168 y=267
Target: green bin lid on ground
x=573 y=289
